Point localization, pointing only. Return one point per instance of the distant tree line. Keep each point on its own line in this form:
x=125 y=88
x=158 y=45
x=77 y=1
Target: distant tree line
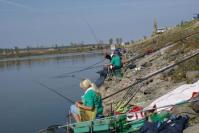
x=54 y=49
x=117 y=40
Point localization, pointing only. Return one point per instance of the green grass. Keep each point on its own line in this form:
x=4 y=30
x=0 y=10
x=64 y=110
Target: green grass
x=179 y=74
x=180 y=48
x=158 y=41
x=55 y=51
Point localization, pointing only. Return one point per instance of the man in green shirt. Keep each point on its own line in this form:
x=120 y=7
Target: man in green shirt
x=116 y=62
x=91 y=101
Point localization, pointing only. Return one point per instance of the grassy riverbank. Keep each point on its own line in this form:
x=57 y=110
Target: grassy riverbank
x=159 y=51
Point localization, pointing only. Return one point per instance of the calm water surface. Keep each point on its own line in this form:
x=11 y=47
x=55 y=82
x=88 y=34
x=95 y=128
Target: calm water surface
x=25 y=105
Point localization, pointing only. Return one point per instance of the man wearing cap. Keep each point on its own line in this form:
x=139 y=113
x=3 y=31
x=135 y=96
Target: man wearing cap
x=116 y=63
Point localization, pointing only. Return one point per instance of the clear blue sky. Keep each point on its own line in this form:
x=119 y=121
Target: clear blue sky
x=47 y=22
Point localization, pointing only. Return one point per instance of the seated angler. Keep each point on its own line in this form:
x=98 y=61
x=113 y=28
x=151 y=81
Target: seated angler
x=116 y=63
x=90 y=107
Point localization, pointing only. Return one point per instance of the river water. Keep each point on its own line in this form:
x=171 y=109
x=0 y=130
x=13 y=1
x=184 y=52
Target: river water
x=25 y=106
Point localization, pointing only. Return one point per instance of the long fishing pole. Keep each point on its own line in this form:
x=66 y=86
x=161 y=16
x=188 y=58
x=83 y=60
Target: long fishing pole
x=55 y=127
x=151 y=75
x=185 y=37
x=81 y=70
x=96 y=39
x=126 y=99
x=78 y=77
x=170 y=105
x=62 y=126
x=54 y=91
x=92 y=30
x=161 y=70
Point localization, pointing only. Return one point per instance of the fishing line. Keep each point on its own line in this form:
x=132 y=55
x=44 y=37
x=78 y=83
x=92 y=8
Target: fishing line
x=89 y=67
x=78 y=77
x=54 y=91
x=170 y=66
x=130 y=87
x=81 y=70
x=92 y=31
x=57 y=126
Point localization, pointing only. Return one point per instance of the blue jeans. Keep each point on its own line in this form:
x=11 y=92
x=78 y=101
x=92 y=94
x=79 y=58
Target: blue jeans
x=74 y=109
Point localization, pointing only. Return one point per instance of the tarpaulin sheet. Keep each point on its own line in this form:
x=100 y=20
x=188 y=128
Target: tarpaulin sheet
x=178 y=95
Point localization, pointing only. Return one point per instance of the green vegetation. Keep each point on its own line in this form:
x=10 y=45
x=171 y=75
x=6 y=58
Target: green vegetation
x=184 y=38
x=179 y=74
x=17 y=52
x=172 y=35
x=155 y=26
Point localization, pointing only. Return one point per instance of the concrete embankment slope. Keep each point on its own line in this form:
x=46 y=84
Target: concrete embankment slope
x=159 y=52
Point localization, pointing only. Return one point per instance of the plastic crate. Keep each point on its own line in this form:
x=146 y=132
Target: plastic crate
x=135 y=126
x=82 y=127
x=102 y=125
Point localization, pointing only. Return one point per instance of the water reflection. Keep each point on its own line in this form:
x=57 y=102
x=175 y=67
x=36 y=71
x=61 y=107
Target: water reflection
x=42 y=60
x=27 y=106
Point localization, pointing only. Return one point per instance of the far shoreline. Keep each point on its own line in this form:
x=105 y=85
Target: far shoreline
x=50 y=55
x=26 y=53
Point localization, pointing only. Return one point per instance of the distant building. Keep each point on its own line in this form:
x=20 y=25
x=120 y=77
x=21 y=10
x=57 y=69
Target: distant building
x=125 y=43
x=196 y=16
x=51 y=49
x=160 y=30
x=112 y=47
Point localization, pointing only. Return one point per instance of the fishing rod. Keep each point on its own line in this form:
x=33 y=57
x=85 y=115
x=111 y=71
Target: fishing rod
x=79 y=78
x=129 y=92
x=59 y=126
x=143 y=54
x=123 y=103
x=170 y=105
x=54 y=91
x=132 y=95
x=62 y=126
x=89 y=67
x=92 y=30
x=74 y=76
x=81 y=70
x=151 y=75
x=161 y=70
x=55 y=127
x=165 y=106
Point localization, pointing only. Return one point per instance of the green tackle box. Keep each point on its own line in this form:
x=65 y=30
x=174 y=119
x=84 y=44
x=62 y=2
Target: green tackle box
x=82 y=127
x=102 y=125
x=159 y=117
x=135 y=126
x=120 y=122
